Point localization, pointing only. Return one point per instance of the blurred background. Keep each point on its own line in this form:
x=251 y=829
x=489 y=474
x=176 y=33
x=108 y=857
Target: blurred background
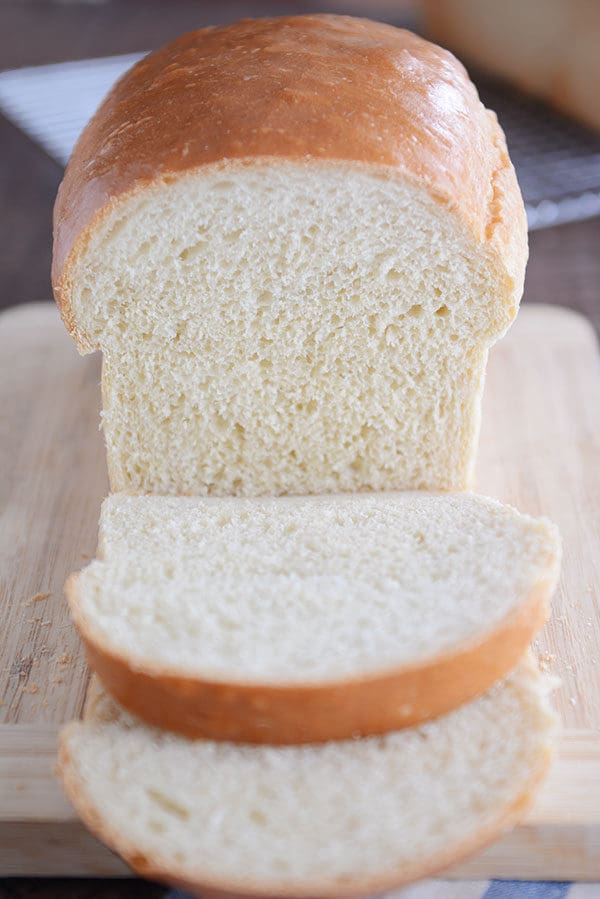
x=536 y=62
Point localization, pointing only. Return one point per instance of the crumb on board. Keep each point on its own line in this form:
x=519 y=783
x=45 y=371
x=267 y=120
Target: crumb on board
x=85 y=556
x=32 y=688
x=39 y=597
x=57 y=680
x=65 y=659
x=546 y=660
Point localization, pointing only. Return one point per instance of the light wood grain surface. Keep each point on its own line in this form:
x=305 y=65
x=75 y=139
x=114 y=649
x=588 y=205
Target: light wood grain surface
x=540 y=451
x=51 y=484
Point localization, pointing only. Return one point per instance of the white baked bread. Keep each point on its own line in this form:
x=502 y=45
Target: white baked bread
x=340 y=819
x=294 y=241
x=294 y=620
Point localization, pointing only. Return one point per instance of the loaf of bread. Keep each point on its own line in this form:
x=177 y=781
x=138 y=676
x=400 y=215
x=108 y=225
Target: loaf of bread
x=550 y=48
x=339 y=819
x=295 y=620
x=294 y=241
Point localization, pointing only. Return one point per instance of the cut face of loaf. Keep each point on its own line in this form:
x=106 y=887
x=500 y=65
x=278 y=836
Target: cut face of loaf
x=342 y=819
x=295 y=620
x=288 y=328
x=291 y=295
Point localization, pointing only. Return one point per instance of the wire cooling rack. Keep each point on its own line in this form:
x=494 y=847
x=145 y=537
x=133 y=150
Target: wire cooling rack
x=557 y=160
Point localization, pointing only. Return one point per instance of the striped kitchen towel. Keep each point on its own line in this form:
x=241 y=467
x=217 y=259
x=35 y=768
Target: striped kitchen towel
x=480 y=889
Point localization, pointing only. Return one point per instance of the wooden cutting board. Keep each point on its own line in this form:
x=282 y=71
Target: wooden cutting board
x=540 y=450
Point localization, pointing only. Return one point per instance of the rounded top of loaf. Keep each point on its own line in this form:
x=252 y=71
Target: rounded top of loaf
x=302 y=88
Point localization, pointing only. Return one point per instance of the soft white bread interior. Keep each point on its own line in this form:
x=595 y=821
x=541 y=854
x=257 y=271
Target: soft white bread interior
x=291 y=619
x=339 y=819
x=294 y=242
x=329 y=333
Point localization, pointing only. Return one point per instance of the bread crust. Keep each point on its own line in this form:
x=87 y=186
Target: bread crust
x=310 y=89
x=157 y=869
x=260 y=713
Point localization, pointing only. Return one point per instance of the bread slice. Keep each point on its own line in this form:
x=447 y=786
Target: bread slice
x=338 y=819
x=289 y=620
x=294 y=241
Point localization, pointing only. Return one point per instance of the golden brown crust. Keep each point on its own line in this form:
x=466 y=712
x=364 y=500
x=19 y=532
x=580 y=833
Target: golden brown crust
x=304 y=88
x=155 y=869
x=312 y=713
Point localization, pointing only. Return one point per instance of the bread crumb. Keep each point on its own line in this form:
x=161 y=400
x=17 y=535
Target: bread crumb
x=85 y=556
x=57 y=680
x=39 y=597
x=546 y=660
x=65 y=659
x=32 y=688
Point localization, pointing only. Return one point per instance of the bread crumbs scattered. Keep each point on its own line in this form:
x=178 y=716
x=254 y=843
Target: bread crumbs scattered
x=39 y=597
x=65 y=659
x=58 y=680
x=32 y=688
x=546 y=659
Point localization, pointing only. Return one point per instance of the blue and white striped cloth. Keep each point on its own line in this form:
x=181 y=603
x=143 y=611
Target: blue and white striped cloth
x=52 y=104
x=481 y=889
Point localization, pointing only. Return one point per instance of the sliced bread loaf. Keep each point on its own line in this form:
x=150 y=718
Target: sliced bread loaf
x=294 y=241
x=339 y=819
x=289 y=620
